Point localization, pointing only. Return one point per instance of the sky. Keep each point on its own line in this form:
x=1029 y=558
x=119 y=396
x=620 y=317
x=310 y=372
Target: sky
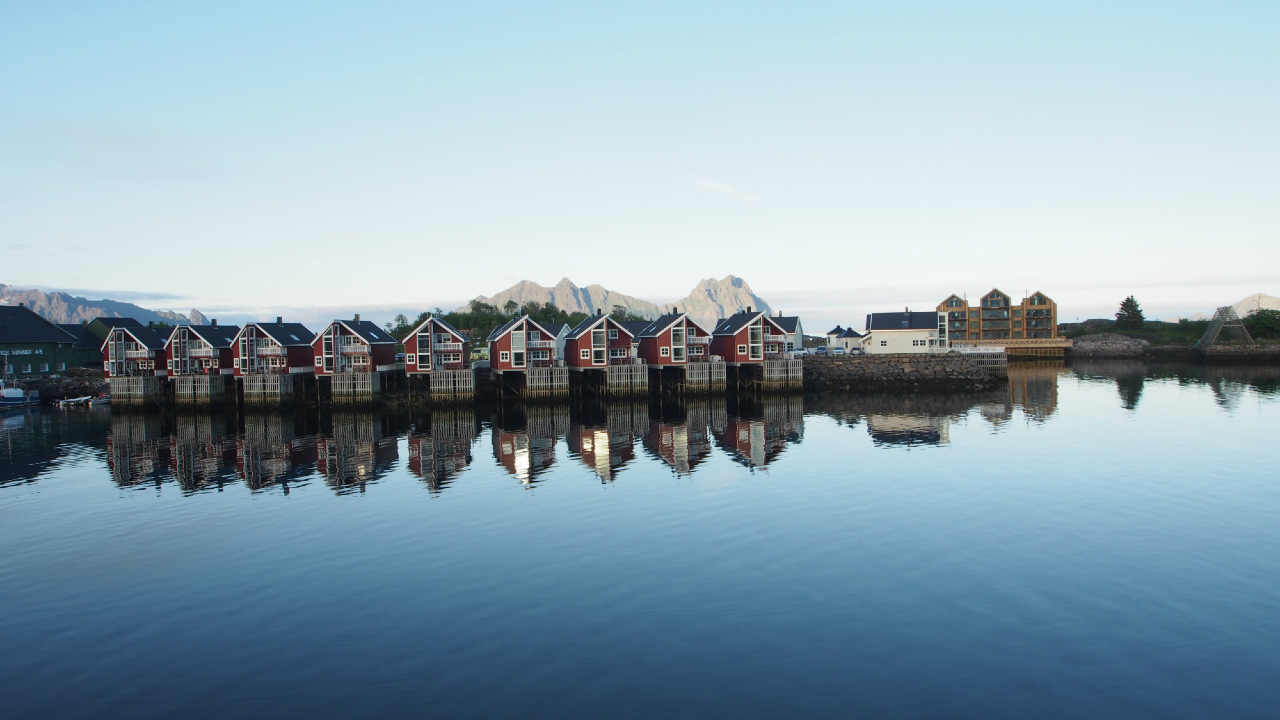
x=318 y=159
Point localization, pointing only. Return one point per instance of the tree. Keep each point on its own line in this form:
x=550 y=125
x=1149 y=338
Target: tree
x=1263 y=323
x=1130 y=315
x=620 y=313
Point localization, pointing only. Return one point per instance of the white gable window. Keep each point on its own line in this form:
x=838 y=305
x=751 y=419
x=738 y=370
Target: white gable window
x=664 y=351
x=411 y=359
x=742 y=349
x=584 y=353
x=613 y=334
x=504 y=356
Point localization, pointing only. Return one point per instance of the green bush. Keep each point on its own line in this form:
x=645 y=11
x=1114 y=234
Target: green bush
x=1264 y=324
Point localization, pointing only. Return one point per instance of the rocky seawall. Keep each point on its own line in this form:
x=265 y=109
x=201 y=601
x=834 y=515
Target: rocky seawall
x=910 y=373
x=53 y=389
x=1121 y=346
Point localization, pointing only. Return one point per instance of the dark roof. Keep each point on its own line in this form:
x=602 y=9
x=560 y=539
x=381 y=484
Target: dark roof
x=369 y=332
x=552 y=329
x=218 y=336
x=22 y=325
x=102 y=325
x=735 y=322
x=655 y=327
x=635 y=327
x=835 y=331
x=450 y=328
x=903 y=321
x=150 y=337
x=789 y=323
x=287 y=334
x=502 y=329
x=850 y=333
x=84 y=339
x=585 y=325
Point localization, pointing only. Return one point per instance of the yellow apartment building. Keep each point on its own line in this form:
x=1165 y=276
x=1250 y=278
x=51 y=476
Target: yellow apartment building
x=1028 y=327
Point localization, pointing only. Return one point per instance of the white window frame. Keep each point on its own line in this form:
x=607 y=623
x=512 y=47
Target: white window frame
x=613 y=333
x=742 y=349
x=664 y=351
x=504 y=356
x=411 y=358
x=584 y=353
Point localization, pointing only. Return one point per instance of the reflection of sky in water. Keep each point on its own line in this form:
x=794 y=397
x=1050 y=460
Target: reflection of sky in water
x=825 y=558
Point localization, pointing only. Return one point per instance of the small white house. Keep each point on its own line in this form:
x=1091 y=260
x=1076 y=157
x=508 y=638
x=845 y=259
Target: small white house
x=905 y=333
x=850 y=340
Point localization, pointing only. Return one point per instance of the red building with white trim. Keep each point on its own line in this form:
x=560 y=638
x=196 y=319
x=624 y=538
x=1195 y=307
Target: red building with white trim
x=748 y=338
x=201 y=350
x=278 y=348
x=353 y=346
x=435 y=344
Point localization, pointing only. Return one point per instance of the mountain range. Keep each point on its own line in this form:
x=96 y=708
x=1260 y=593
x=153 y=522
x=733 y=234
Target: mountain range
x=709 y=301
x=60 y=307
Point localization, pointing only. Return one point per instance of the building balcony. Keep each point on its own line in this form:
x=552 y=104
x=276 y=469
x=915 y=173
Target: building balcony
x=201 y=352
x=269 y=351
x=355 y=349
x=541 y=344
x=137 y=354
x=698 y=340
x=448 y=347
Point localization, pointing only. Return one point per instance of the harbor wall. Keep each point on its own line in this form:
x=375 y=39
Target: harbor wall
x=939 y=373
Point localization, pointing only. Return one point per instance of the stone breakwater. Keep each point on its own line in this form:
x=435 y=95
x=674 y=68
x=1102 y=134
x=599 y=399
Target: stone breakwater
x=915 y=373
x=60 y=388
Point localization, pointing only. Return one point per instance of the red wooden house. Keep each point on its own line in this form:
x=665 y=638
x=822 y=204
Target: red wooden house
x=748 y=337
x=521 y=344
x=435 y=344
x=201 y=350
x=353 y=346
x=597 y=342
x=133 y=351
x=673 y=339
x=278 y=348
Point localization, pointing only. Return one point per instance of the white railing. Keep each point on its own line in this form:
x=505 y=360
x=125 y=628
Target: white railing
x=358 y=349
x=136 y=354
x=697 y=340
x=269 y=351
x=447 y=347
x=541 y=344
x=200 y=352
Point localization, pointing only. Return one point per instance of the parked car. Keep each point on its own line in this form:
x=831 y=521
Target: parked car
x=837 y=351
x=821 y=350
x=399 y=357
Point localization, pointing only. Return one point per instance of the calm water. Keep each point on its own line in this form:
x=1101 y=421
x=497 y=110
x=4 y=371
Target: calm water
x=1096 y=541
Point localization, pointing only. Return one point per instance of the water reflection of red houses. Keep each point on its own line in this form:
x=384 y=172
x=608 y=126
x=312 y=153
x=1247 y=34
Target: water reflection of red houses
x=201 y=452
x=525 y=443
x=269 y=451
x=354 y=452
x=681 y=446
x=440 y=446
x=757 y=441
x=137 y=450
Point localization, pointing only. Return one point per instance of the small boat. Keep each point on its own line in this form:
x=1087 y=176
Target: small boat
x=74 y=402
x=14 y=397
x=101 y=400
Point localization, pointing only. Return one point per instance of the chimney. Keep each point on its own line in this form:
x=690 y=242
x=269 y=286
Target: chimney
x=151 y=323
x=748 y=308
x=22 y=305
x=279 y=320
x=213 y=322
x=357 y=317
x=599 y=311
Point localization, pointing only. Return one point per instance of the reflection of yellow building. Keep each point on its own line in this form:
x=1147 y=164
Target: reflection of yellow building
x=909 y=429
x=1029 y=327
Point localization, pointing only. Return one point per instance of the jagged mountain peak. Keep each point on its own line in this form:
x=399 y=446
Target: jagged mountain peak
x=710 y=299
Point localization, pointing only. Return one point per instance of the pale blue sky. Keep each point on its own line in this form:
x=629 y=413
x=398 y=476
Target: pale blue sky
x=310 y=158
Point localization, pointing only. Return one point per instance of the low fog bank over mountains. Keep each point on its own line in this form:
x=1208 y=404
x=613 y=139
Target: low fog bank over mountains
x=60 y=307
x=709 y=301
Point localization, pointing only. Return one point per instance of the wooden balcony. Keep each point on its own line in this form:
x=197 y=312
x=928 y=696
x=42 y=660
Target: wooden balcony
x=541 y=344
x=448 y=347
x=201 y=352
x=697 y=340
x=137 y=354
x=268 y=351
x=357 y=349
